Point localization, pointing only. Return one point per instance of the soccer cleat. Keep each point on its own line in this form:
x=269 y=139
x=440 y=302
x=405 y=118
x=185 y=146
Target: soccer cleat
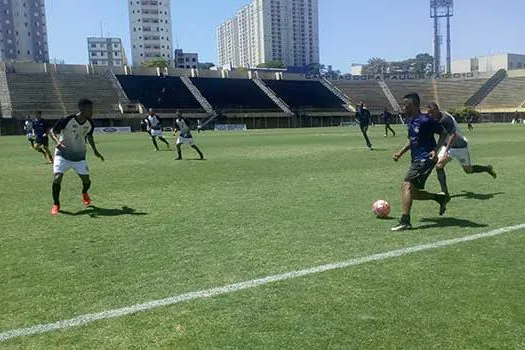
x=55 y=210
x=86 y=199
x=178 y=158
x=443 y=200
x=403 y=226
x=492 y=172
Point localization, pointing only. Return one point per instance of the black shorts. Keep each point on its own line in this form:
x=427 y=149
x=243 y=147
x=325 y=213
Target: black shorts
x=42 y=140
x=419 y=172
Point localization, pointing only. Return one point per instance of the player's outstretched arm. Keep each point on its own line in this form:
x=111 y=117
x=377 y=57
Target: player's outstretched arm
x=91 y=142
x=404 y=150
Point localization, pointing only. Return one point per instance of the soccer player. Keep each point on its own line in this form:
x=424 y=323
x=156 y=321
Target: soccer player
x=363 y=118
x=185 y=137
x=70 y=134
x=199 y=126
x=455 y=146
x=28 y=129
x=41 y=130
x=387 y=117
x=422 y=144
x=470 y=120
x=154 y=128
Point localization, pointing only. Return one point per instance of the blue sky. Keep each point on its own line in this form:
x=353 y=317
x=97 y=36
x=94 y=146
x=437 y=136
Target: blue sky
x=351 y=30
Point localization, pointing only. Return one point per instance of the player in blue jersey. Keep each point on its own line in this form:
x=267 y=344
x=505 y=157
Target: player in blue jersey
x=40 y=132
x=70 y=134
x=387 y=118
x=423 y=147
x=185 y=137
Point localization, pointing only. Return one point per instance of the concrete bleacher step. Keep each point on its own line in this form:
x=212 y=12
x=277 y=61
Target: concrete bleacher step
x=197 y=94
x=269 y=92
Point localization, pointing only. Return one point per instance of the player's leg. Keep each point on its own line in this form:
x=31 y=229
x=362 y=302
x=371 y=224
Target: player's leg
x=56 y=187
x=390 y=128
x=154 y=141
x=443 y=160
x=463 y=156
x=364 y=130
x=194 y=146
x=47 y=152
x=164 y=140
x=179 y=151
x=386 y=129
x=86 y=185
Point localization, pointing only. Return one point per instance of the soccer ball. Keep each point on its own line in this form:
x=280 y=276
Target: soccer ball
x=381 y=209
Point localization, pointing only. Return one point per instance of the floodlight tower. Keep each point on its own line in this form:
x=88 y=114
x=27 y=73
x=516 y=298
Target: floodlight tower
x=441 y=9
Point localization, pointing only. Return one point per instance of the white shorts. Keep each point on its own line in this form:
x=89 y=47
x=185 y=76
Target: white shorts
x=155 y=133
x=61 y=165
x=185 y=141
x=462 y=155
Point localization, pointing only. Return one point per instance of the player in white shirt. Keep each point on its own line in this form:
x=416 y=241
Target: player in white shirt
x=455 y=146
x=28 y=129
x=154 y=128
x=70 y=134
x=185 y=137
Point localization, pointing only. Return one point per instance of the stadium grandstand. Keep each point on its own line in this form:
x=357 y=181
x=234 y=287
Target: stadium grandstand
x=252 y=98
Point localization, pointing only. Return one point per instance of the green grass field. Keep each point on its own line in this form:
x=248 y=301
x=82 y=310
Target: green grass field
x=263 y=203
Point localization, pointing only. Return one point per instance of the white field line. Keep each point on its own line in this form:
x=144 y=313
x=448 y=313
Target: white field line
x=88 y=318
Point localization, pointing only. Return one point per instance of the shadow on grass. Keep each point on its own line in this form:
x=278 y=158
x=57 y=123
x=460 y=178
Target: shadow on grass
x=477 y=196
x=94 y=212
x=448 y=222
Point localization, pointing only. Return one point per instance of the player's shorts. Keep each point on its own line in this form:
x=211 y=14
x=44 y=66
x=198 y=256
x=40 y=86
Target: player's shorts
x=462 y=155
x=42 y=140
x=419 y=172
x=185 y=141
x=156 y=133
x=61 y=165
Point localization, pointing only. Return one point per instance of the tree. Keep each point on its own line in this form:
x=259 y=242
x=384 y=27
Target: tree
x=206 y=65
x=272 y=64
x=461 y=112
x=157 y=62
x=376 y=65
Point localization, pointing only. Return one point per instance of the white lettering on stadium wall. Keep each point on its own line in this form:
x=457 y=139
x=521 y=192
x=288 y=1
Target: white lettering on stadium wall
x=387 y=76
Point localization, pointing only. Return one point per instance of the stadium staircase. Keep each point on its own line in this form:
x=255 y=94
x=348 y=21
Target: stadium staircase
x=349 y=105
x=123 y=97
x=486 y=88
x=389 y=96
x=197 y=94
x=5 y=97
x=269 y=92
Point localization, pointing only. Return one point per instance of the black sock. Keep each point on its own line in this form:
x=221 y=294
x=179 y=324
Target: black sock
x=164 y=140
x=480 y=169
x=179 y=152
x=442 y=178
x=56 y=193
x=199 y=152
x=155 y=144
x=86 y=186
x=405 y=219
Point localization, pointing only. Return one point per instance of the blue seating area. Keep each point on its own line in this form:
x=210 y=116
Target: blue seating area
x=234 y=95
x=167 y=93
x=306 y=95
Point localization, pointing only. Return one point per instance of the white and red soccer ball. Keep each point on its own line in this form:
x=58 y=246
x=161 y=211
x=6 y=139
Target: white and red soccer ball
x=381 y=209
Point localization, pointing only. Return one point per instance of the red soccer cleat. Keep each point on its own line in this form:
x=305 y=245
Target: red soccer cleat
x=55 y=210
x=86 y=199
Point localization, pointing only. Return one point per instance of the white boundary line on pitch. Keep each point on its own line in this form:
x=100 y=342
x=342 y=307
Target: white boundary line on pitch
x=88 y=318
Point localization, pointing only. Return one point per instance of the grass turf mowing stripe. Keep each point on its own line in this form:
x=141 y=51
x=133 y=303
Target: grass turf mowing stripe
x=88 y=318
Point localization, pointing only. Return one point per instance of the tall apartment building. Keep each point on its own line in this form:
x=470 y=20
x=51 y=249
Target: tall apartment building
x=23 y=31
x=150 y=30
x=107 y=52
x=271 y=30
